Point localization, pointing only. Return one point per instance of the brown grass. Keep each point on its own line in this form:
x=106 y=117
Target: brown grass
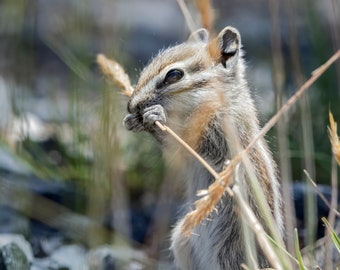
x=334 y=138
x=207 y=14
x=211 y=197
x=115 y=73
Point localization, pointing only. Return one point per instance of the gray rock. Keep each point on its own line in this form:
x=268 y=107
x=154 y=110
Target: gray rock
x=114 y=257
x=71 y=256
x=20 y=242
x=13 y=258
x=101 y=259
x=47 y=263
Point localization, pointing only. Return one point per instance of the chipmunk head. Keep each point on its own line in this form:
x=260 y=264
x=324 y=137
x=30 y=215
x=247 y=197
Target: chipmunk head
x=188 y=72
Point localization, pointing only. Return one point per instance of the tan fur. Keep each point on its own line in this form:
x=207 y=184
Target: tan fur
x=198 y=122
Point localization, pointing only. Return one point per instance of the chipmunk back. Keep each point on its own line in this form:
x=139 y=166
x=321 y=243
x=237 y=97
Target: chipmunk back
x=198 y=88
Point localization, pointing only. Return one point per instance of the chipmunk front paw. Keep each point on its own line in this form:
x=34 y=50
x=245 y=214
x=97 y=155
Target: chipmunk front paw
x=145 y=121
x=134 y=122
x=152 y=114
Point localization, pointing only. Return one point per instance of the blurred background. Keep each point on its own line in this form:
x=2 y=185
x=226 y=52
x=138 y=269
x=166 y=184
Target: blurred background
x=85 y=193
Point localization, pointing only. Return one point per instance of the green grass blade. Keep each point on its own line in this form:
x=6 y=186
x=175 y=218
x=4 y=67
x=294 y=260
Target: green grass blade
x=334 y=236
x=283 y=249
x=297 y=250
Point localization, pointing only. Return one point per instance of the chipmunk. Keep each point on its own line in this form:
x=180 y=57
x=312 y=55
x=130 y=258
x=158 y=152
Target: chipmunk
x=196 y=88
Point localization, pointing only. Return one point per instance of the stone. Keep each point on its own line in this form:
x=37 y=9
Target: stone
x=13 y=258
x=71 y=257
x=20 y=242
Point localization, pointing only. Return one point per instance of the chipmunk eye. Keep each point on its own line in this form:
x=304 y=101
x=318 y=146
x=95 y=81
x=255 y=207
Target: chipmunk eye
x=173 y=76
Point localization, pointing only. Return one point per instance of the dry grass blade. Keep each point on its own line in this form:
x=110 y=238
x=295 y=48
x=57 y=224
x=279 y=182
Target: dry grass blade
x=334 y=138
x=319 y=192
x=115 y=72
x=187 y=16
x=257 y=228
x=335 y=142
x=186 y=146
x=291 y=101
x=207 y=14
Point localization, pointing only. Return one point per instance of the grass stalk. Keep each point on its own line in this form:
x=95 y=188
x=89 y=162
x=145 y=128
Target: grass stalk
x=318 y=191
x=307 y=137
x=257 y=228
x=187 y=147
x=278 y=76
x=333 y=234
x=207 y=15
x=335 y=143
x=187 y=16
x=297 y=250
x=292 y=100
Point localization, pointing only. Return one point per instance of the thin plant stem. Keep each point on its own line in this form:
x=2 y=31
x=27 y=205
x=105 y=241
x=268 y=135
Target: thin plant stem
x=283 y=249
x=332 y=7
x=207 y=14
x=188 y=18
x=331 y=215
x=257 y=228
x=307 y=139
x=335 y=144
x=291 y=101
x=318 y=191
x=186 y=146
x=278 y=76
x=297 y=250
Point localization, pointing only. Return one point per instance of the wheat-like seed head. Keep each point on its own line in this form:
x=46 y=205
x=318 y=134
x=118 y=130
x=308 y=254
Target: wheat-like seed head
x=115 y=72
x=211 y=197
x=334 y=138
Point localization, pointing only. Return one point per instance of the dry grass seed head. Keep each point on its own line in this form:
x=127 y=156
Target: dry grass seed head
x=334 y=138
x=115 y=72
x=212 y=196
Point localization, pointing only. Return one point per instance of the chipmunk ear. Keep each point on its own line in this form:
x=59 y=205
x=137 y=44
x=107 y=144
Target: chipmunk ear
x=225 y=47
x=201 y=35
